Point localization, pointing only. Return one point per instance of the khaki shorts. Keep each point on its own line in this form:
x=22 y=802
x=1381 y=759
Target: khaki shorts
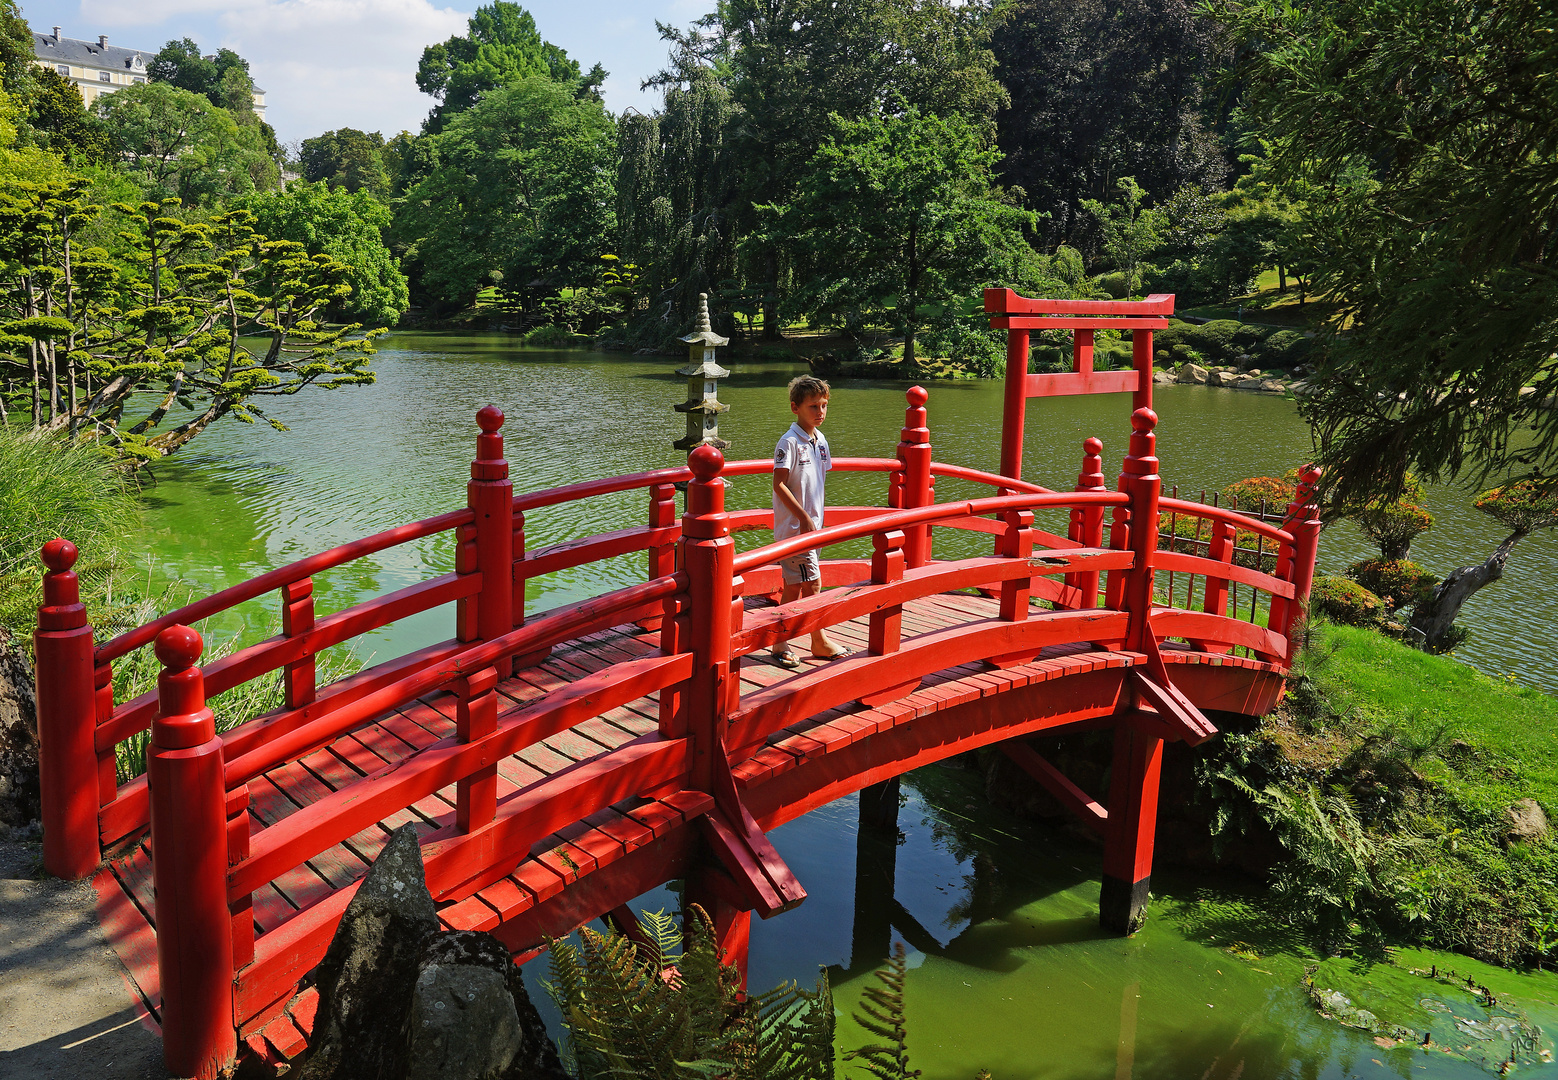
x=799 y=569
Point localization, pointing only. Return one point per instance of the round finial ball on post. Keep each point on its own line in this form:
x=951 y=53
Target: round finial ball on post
x=706 y=462
x=489 y=418
x=1144 y=420
x=1092 y=446
x=1310 y=475
x=60 y=555
x=178 y=647
x=917 y=396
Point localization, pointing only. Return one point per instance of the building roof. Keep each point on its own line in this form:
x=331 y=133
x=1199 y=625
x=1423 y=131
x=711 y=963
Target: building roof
x=66 y=50
x=88 y=53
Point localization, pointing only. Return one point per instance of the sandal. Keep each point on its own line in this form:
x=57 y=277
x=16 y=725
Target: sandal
x=841 y=654
x=785 y=660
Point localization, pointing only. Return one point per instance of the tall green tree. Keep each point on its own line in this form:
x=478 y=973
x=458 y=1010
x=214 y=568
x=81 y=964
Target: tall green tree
x=1432 y=130
x=501 y=47
x=177 y=143
x=791 y=64
x=16 y=53
x=521 y=183
x=1102 y=89
x=1131 y=231
x=346 y=158
x=899 y=212
x=59 y=120
x=347 y=227
x=223 y=79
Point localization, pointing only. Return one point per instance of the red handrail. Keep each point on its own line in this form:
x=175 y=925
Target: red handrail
x=274 y=579
x=899 y=519
x=1227 y=517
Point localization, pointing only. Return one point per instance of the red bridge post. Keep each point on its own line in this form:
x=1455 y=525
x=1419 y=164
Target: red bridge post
x=707 y=551
x=916 y=488
x=189 y=839
x=491 y=494
x=1303 y=521
x=1087 y=523
x=1138 y=755
x=67 y=719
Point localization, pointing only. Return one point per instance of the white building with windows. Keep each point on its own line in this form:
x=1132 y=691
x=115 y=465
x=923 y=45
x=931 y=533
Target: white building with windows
x=98 y=68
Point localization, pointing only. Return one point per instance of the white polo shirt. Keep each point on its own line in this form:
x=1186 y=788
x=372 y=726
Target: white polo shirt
x=808 y=460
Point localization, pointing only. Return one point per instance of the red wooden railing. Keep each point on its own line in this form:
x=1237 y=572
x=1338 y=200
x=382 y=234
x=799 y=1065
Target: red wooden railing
x=194 y=795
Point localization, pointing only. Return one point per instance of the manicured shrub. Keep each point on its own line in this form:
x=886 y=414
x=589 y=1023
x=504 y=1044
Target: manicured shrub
x=1345 y=602
x=1284 y=349
x=1249 y=336
x=1399 y=581
x=1277 y=492
x=1117 y=285
x=1176 y=333
x=1214 y=340
x=551 y=337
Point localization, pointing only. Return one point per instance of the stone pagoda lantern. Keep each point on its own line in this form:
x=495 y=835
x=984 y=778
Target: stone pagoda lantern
x=702 y=405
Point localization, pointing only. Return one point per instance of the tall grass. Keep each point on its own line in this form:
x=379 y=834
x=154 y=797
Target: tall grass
x=50 y=487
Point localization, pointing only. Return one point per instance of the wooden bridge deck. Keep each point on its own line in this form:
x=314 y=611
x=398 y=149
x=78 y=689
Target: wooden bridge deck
x=124 y=885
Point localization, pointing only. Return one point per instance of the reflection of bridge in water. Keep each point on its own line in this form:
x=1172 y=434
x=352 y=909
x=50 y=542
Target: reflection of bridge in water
x=559 y=764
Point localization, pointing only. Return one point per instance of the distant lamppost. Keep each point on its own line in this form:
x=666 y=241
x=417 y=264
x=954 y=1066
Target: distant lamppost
x=702 y=405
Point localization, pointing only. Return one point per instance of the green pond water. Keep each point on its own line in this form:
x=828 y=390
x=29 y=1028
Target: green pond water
x=1009 y=971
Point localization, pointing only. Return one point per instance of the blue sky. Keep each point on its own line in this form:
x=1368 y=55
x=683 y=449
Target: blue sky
x=326 y=64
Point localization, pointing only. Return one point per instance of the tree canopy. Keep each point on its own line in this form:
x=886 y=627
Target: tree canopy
x=519 y=184
x=345 y=226
x=346 y=158
x=178 y=143
x=1431 y=131
x=501 y=47
x=899 y=210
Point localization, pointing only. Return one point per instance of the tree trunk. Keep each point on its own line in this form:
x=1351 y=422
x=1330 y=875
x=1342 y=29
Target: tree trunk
x=1282 y=278
x=771 y=330
x=19 y=792
x=1432 y=618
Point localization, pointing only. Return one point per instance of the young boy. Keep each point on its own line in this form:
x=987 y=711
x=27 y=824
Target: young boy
x=801 y=464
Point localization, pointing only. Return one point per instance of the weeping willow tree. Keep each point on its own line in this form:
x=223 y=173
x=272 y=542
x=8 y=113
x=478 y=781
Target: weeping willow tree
x=676 y=184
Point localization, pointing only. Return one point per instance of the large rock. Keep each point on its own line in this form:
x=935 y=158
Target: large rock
x=1192 y=373
x=19 y=792
x=1526 y=822
x=368 y=974
x=1273 y=386
x=463 y=1022
x=1164 y=378
x=1221 y=378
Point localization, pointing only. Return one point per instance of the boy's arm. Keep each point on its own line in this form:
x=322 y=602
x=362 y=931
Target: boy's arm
x=791 y=503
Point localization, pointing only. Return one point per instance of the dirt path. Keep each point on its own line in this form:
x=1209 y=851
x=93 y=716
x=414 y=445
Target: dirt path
x=65 y=1010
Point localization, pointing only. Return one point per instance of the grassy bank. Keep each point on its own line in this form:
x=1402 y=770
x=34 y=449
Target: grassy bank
x=1395 y=780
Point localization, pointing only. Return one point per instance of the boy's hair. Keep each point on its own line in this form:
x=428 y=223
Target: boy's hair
x=805 y=387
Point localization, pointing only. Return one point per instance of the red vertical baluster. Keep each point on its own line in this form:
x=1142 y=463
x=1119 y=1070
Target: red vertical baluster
x=242 y=909
x=1016 y=400
x=673 y=638
x=491 y=494
x=67 y=719
x=1089 y=520
x=662 y=555
x=476 y=716
x=1141 y=360
x=1016 y=543
x=914 y=455
x=297 y=618
x=465 y=563
x=107 y=759
x=189 y=840
x=884 y=631
x=1140 y=481
x=1303 y=521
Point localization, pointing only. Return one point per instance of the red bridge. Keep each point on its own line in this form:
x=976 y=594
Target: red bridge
x=560 y=763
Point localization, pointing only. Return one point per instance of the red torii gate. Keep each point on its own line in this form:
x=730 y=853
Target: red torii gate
x=706 y=756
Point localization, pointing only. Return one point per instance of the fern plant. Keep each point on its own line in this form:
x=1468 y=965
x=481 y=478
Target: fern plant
x=883 y=1017
x=665 y=1012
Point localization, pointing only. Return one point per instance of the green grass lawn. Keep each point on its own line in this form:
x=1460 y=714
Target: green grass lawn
x=1383 y=685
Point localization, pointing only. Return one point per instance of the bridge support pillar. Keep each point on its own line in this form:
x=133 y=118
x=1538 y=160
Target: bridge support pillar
x=490 y=494
x=1129 y=831
x=732 y=923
